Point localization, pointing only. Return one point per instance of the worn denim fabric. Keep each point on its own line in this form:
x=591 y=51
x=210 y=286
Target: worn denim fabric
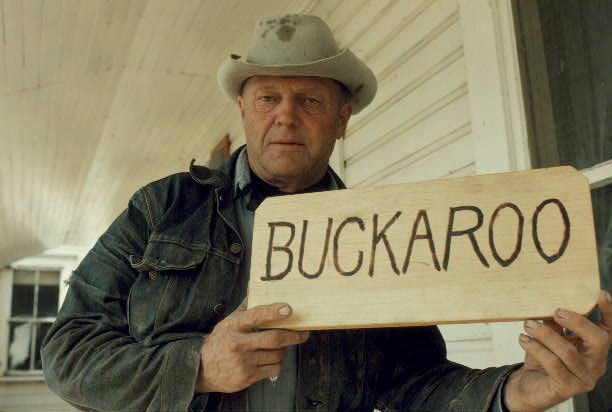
x=141 y=303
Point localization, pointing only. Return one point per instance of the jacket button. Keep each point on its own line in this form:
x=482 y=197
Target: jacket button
x=235 y=248
x=219 y=309
x=153 y=275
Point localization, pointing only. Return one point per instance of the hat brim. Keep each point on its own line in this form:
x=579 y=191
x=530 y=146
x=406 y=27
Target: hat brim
x=344 y=67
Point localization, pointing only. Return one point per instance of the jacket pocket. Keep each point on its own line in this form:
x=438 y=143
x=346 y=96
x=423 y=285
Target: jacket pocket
x=154 y=302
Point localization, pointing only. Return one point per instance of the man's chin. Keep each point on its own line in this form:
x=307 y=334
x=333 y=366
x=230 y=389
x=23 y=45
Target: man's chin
x=289 y=179
x=289 y=165
x=288 y=174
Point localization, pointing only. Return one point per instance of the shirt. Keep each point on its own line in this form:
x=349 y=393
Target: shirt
x=264 y=395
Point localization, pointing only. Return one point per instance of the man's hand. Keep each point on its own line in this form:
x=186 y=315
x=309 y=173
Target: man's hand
x=235 y=356
x=558 y=367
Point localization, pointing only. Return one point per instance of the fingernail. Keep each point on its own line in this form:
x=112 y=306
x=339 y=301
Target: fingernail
x=524 y=338
x=608 y=297
x=532 y=324
x=563 y=314
x=284 y=310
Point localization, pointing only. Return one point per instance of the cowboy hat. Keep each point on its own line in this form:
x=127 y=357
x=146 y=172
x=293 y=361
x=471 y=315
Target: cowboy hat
x=297 y=45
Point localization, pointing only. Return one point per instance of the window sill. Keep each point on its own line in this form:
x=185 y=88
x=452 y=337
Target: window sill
x=599 y=175
x=16 y=378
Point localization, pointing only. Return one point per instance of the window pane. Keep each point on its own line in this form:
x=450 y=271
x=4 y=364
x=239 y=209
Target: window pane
x=20 y=336
x=602 y=212
x=566 y=53
x=22 y=303
x=41 y=331
x=48 y=296
x=600 y=399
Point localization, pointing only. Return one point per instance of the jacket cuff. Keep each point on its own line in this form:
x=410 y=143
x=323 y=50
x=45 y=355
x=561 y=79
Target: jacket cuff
x=497 y=405
x=180 y=374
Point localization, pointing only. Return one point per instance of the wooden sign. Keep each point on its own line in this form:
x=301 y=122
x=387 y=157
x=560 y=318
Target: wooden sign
x=507 y=246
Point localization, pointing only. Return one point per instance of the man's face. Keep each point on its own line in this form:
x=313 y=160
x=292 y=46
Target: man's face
x=291 y=124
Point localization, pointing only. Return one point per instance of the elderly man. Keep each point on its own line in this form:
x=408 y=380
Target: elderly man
x=152 y=320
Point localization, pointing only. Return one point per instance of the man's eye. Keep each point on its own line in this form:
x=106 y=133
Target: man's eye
x=312 y=101
x=265 y=103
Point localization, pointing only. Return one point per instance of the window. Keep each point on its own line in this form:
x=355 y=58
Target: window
x=565 y=48
x=34 y=305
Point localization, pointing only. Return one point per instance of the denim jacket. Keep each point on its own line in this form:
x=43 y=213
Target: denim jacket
x=141 y=303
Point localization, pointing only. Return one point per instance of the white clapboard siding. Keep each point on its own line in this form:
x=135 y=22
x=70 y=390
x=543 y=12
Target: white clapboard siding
x=451 y=160
x=420 y=102
x=469 y=344
x=421 y=108
x=412 y=141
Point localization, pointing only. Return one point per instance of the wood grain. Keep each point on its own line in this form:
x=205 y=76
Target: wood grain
x=495 y=247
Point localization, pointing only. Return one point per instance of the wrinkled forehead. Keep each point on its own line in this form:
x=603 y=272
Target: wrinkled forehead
x=291 y=83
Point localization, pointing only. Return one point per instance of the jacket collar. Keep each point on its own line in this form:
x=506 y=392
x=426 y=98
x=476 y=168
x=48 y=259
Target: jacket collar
x=218 y=178
x=223 y=177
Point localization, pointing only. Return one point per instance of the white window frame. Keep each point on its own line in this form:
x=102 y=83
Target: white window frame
x=599 y=175
x=63 y=259
x=34 y=319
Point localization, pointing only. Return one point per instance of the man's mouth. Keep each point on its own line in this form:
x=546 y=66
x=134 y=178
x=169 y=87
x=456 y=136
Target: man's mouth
x=287 y=144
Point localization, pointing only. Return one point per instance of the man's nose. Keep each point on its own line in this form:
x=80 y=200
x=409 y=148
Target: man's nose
x=286 y=112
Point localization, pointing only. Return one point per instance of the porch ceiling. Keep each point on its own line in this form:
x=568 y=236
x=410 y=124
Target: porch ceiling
x=98 y=97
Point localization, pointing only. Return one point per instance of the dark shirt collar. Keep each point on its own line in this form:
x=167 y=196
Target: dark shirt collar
x=255 y=190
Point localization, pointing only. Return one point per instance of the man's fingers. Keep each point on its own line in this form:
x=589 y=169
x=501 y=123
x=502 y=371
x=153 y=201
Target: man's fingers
x=596 y=339
x=554 y=326
x=558 y=345
x=269 y=357
x=260 y=315
x=564 y=383
x=605 y=307
x=274 y=339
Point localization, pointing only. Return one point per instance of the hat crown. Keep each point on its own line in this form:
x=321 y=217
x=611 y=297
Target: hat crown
x=297 y=45
x=289 y=39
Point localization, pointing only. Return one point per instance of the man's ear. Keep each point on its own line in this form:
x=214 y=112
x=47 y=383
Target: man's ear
x=345 y=114
x=240 y=101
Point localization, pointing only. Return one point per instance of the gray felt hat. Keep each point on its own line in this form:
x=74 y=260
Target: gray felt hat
x=298 y=45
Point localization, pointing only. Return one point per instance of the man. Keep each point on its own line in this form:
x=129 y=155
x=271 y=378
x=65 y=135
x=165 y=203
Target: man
x=152 y=318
